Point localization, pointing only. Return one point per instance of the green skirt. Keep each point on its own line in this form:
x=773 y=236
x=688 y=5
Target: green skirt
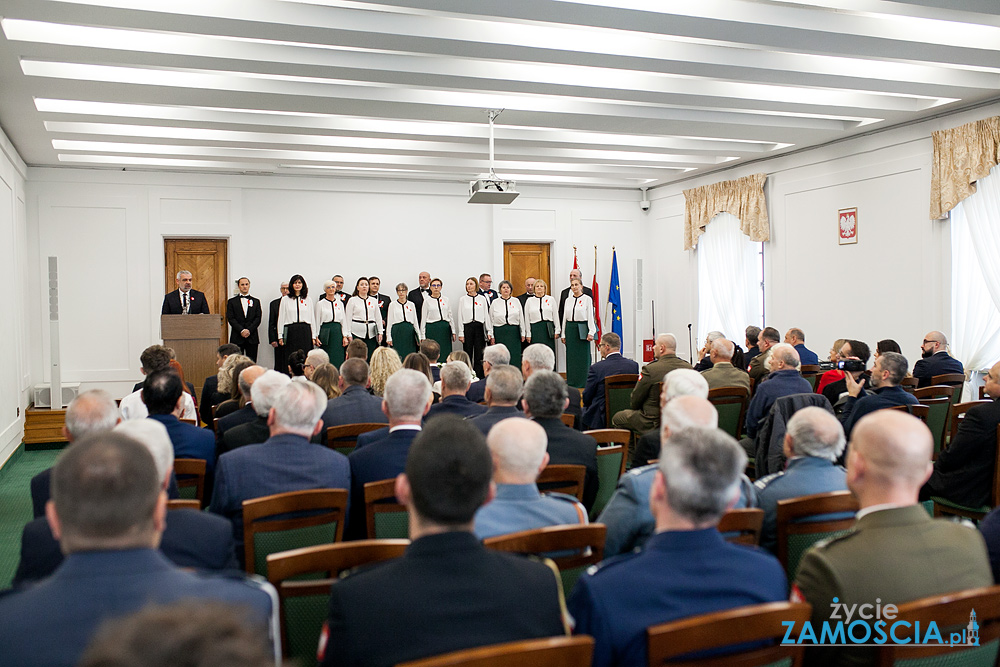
x=540 y=334
x=577 y=354
x=509 y=335
x=331 y=339
x=372 y=344
x=440 y=332
x=404 y=339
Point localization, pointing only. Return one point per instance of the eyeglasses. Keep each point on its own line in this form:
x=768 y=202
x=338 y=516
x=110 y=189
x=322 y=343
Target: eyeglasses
x=928 y=341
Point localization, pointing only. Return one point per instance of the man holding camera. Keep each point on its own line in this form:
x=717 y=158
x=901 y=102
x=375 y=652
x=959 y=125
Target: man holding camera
x=888 y=371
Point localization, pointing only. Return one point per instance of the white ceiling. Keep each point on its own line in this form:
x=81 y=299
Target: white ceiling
x=606 y=93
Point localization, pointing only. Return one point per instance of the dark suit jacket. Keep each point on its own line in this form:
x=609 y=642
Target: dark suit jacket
x=381 y=616
x=565 y=295
x=172 y=303
x=593 y=392
x=477 y=391
x=354 y=406
x=52 y=622
x=241 y=435
x=523 y=298
x=209 y=398
x=417 y=297
x=383 y=459
x=238 y=321
x=41 y=491
x=568 y=446
x=244 y=415
x=190 y=442
x=191 y=539
x=936 y=364
x=272 y=320
x=963 y=473
x=456 y=405
x=493 y=415
x=383 y=306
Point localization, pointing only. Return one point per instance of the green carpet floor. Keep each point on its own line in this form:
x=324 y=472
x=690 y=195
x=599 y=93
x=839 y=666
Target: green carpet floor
x=15 y=504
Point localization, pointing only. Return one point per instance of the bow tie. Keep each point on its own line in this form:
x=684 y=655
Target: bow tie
x=244 y=296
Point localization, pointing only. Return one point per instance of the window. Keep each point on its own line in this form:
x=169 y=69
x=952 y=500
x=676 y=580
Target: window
x=730 y=279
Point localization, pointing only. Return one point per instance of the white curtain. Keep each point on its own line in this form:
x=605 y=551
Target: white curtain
x=729 y=289
x=975 y=280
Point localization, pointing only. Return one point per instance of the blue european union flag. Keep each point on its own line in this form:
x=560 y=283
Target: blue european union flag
x=615 y=296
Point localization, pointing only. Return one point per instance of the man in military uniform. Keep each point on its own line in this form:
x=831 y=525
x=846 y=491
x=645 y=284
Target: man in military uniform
x=518 y=450
x=644 y=414
x=722 y=373
x=896 y=552
x=758 y=369
x=686 y=567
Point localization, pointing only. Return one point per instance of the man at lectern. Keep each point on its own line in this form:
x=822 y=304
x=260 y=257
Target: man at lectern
x=184 y=300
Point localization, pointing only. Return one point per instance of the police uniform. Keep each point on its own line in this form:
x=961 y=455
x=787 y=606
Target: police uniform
x=518 y=507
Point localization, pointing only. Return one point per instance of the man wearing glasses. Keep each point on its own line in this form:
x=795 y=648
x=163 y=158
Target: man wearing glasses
x=936 y=360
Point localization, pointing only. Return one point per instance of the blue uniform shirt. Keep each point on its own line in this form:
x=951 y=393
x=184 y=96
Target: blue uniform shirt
x=803 y=476
x=518 y=507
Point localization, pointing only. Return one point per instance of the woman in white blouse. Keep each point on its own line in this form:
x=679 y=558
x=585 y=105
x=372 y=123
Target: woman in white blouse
x=436 y=321
x=364 y=319
x=331 y=324
x=402 y=324
x=578 y=329
x=541 y=312
x=509 y=326
x=475 y=326
x=297 y=328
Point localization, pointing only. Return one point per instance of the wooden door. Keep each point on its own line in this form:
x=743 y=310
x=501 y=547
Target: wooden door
x=526 y=260
x=206 y=259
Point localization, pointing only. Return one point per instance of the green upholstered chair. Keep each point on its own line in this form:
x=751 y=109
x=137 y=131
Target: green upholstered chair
x=802 y=522
x=611 y=460
x=344 y=438
x=945 y=507
x=571 y=548
x=385 y=517
x=731 y=404
x=618 y=394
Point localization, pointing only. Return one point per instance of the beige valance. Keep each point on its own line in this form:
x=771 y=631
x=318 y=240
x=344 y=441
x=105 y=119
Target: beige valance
x=962 y=155
x=743 y=198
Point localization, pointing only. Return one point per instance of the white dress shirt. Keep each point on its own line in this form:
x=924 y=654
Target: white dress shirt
x=330 y=311
x=580 y=309
x=508 y=311
x=132 y=407
x=475 y=309
x=436 y=310
x=363 y=317
x=401 y=312
x=294 y=310
x=542 y=308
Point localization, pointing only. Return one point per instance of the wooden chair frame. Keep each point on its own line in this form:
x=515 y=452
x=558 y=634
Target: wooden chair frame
x=612 y=382
x=932 y=402
x=376 y=495
x=909 y=384
x=953 y=379
x=568 y=418
x=731 y=395
x=191 y=472
x=731 y=627
x=935 y=391
x=748 y=522
x=607 y=440
x=569 y=477
x=958 y=414
x=586 y=541
x=334 y=501
x=791 y=510
x=346 y=435
x=547 y=652
x=919 y=411
x=183 y=504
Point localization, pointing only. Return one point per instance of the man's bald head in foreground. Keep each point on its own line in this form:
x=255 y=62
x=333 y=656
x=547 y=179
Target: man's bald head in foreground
x=890 y=458
x=518 y=447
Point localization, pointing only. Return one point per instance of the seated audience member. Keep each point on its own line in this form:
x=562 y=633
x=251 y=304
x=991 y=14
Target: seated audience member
x=613 y=363
x=836 y=390
x=797 y=339
x=888 y=371
x=236 y=401
x=263 y=392
x=245 y=414
x=315 y=358
x=814 y=441
x=355 y=351
x=833 y=374
x=784 y=380
x=682 y=382
x=153 y=358
x=297 y=365
x=92 y=411
x=381 y=616
x=354 y=405
x=162 y=393
x=704 y=354
x=493 y=356
x=430 y=349
x=327 y=377
x=503 y=389
x=108 y=512
x=519 y=456
x=210 y=394
x=382 y=454
x=896 y=553
x=963 y=472
x=191 y=538
x=722 y=373
x=686 y=567
x=544 y=400
x=416 y=361
x=286 y=461
x=887 y=345
x=385 y=362
x=935 y=360
x=197 y=634
x=643 y=414
x=542 y=358
x=758 y=367
x=455 y=379
x=752 y=336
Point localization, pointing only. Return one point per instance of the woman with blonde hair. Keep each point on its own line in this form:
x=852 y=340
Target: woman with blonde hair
x=543 y=317
x=384 y=362
x=328 y=378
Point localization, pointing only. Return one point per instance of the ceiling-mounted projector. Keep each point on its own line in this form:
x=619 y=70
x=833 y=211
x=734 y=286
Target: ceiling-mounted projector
x=492 y=191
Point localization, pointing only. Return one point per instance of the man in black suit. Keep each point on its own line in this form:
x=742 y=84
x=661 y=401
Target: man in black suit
x=485 y=287
x=963 y=473
x=540 y=357
x=338 y=281
x=191 y=538
x=355 y=405
x=455 y=380
x=612 y=364
x=406 y=609
x=280 y=356
x=184 y=300
x=245 y=415
x=545 y=399
x=374 y=284
x=529 y=291
x=503 y=388
x=243 y=312
x=936 y=360
x=574 y=274
x=210 y=396
x=416 y=295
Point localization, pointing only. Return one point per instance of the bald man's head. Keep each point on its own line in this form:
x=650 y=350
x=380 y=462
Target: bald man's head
x=518 y=447
x=890 y=458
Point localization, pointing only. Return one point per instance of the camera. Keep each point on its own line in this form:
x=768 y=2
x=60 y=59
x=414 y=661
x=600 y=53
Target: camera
x=644 y=205
x=851 y=365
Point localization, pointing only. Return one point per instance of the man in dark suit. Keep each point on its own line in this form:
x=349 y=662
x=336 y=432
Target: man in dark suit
x=503 y=388
x=430 y=349
x=338 y=281
x=895 y=551
x=540 y=357
x=889 y=370
x=686 y=567
x=381 y=616
x=485 y=287
x=287 y=461
x=355 y=405
x=210 y=396
x=246 y=414
x=382 y=454
x=936 y=360
x=493 y=356
x=374 y=284
x=574 y=274
x=184 y=300
x=455 y=380
x=108 y=511
x=263 y=393
x=161 y=392
x=190 y=539
x=243 y=312
x=593 y=392
x=280 y=356
x=545 y=399
x=963 y=473
x=529 y=291
x=417 y=294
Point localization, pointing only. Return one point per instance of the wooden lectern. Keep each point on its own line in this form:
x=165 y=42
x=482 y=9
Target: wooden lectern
x=195 y=339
